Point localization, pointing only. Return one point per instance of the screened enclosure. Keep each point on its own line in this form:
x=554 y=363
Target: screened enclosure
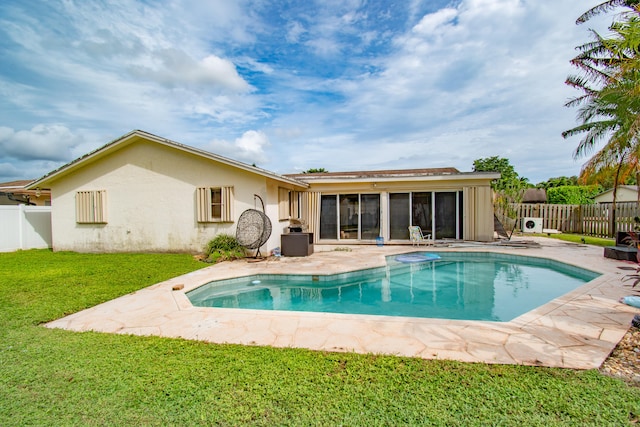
x=358 y=216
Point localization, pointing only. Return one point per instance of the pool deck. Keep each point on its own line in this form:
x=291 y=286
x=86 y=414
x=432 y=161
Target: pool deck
x=577 y=330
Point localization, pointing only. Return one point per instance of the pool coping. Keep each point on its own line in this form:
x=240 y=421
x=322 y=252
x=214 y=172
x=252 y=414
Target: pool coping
x=577 y=330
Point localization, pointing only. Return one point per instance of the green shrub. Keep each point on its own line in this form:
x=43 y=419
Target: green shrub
x=224 y=247
x=572 y=194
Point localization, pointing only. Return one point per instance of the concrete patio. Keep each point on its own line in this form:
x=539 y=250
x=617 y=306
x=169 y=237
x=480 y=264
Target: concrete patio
x=577 y=330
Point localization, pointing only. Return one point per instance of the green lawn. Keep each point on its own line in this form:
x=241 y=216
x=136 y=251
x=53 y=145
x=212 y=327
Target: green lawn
x=579 y=238
x=61 y=378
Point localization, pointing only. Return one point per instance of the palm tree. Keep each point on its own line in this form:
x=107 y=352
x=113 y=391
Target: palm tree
x=610 y=102
x=606 y=7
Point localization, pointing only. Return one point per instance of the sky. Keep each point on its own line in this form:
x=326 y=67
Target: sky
x=294 y=84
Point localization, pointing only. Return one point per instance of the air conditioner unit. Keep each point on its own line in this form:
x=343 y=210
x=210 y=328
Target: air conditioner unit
x=531 y=225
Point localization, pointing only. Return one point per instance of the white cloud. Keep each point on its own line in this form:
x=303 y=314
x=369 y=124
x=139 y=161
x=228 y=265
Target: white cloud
x=8 y=172
x=249 y=148
x=324 y=46
x=294 y=31
x=253 y=141
x=433 y=23
x=254 y=64
x=50 y=142
x=174 y=68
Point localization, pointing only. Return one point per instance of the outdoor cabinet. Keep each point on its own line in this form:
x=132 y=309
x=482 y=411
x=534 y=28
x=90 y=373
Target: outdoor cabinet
x=297 y=244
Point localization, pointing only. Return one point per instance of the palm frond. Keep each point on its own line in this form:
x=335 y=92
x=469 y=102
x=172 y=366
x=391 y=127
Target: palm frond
x=574 y=102
x=580 y=83
x=602 y=8
x=609 y=105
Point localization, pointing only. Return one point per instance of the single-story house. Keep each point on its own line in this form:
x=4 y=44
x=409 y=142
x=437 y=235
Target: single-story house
x=142 y=192
x=624 y=193
x=16 y=193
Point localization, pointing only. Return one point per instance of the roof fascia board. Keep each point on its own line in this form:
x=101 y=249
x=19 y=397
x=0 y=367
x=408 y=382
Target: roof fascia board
x=457 y=177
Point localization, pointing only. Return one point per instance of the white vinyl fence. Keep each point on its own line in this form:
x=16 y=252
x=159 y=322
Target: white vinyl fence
x=25 y=227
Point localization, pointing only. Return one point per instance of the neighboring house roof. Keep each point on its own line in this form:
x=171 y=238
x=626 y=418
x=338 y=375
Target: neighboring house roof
x=137 y=134
x=16 y=187
x=534 y=195
x=629 y=188
x=20 y=188
x=15 y=184
x=392 y=175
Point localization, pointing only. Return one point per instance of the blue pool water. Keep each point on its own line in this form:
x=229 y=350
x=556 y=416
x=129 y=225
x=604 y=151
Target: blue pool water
x=470 y=286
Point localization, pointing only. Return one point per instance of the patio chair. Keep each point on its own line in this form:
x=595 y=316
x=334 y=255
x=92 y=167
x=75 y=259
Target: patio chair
x=418 y=237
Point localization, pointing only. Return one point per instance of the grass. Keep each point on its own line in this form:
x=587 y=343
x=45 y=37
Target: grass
x=57 y=377
x=579 y=238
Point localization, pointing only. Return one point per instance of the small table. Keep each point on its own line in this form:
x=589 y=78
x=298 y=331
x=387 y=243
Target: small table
x=297 y=244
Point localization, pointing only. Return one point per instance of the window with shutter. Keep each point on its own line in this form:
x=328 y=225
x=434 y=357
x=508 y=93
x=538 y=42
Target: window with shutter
x=91 y=207
x=214 y=204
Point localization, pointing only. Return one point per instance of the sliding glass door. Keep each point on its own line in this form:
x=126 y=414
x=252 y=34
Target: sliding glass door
x=370 y=216
x=446 y=215
x=399 y=217
x=350 y=216
x=357 y=216
x=421 y=210
x=328 y=217
x=438 y=213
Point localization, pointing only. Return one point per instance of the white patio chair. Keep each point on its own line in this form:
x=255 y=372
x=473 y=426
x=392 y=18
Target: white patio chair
x=418 y=237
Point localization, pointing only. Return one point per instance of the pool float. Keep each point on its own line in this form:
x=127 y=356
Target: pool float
x=633 y=301
x=411 y=258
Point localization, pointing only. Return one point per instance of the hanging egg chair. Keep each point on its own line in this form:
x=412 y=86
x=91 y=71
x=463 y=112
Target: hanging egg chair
x=253 y=229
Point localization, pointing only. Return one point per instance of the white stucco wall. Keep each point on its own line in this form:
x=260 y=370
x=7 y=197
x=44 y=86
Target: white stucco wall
x=151 y=201
x=482 y=213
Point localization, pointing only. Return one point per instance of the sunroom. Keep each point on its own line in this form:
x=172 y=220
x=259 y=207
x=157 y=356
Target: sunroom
x=359 y=207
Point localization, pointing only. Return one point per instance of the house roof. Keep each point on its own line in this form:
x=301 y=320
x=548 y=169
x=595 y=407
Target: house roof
x=139 y=134
x=392 y=175
x=14 y=185
x=21 y=187
x=300 y=180
x=534 y=195
x=628 y=187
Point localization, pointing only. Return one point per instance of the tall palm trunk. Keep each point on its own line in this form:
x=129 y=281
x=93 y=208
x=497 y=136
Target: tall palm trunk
x=612 y=220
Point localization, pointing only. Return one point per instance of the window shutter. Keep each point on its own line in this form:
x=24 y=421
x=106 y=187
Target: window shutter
x=294 y=204
x=203 y=203
x=91 y=207
x=283 y=204
x=227 y=204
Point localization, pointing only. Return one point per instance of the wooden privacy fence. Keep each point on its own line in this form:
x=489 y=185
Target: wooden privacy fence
x=592 y=220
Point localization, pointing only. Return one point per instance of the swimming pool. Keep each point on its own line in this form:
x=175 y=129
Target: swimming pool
x=460 y=285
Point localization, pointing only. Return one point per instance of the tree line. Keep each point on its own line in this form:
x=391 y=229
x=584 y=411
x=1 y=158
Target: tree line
x=559 y=190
